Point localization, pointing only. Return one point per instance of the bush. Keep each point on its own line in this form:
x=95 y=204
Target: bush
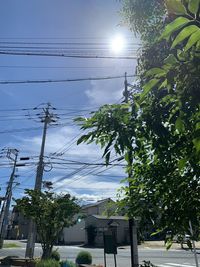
x=84 y=257
x=48 y=263
x=147 y=264
x=67 y=264
x=55 y=255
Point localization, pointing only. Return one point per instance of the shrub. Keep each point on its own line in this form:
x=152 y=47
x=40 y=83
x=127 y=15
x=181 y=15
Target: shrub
x=147 y=264
x=84 y=257
x=48 y=263
x=55 y=255
x=67 y=264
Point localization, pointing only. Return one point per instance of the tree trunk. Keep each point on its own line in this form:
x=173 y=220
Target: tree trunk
x=47 y=250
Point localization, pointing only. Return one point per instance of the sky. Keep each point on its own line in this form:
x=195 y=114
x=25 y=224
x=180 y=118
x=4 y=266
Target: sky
x=72 y=27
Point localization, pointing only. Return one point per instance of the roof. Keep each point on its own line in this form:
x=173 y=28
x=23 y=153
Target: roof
x=96 y=203
x=101 y=217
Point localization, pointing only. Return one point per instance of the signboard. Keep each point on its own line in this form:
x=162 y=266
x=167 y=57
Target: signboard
x=110 y=246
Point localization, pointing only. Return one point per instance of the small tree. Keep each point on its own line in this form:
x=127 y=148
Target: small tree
x=50 y=212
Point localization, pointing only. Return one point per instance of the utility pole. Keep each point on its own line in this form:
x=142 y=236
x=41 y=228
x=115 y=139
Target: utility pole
x=47 y=119
x=6 y=205
x=132 y=224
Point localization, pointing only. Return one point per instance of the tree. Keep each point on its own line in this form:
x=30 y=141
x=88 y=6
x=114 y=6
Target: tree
x=50 y=212
x=144 y=18
x=159 y=131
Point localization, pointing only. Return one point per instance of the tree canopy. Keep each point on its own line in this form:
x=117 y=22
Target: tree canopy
x=161 y=125
x=50 y=213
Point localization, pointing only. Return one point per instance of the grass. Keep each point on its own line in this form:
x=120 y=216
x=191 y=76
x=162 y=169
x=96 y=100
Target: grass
x=11 y=245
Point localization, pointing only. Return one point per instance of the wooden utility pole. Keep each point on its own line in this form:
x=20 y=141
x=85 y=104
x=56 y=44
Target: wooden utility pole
x=132 y=224
x=48 y=118
x=6 y=205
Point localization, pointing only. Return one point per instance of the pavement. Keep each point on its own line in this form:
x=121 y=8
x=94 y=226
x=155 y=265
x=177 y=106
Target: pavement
x=161 y=244
x=153 y=251
x=146 y=244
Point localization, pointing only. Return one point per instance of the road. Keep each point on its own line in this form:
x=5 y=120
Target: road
x=158 y=256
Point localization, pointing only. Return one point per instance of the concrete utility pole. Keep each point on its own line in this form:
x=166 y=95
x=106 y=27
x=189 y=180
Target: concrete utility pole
x=132 y=223
x=6 y=205
x=47 y=119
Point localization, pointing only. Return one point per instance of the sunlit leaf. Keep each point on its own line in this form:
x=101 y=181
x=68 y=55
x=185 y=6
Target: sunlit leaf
x=174 y=26
x=194 y=38
x=185 y=33
x=156 y=71
x=147 y=88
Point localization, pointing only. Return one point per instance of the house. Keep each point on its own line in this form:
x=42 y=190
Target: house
x=92 y=222
x=19 y=226
x=99 y=208
x=96 y=225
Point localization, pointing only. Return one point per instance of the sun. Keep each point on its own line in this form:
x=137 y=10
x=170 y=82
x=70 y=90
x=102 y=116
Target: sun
x=117 y=44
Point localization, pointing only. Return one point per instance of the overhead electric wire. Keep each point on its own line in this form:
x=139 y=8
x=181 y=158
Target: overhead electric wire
x=60 y=38
x=82 y=176
x=66 y=80
x=64 y=43
x=20 y=130
x=69 y=144
x=62 y=67
x=16 y=53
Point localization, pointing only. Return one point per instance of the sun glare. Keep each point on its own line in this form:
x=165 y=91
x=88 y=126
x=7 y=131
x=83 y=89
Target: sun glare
x=117 y=44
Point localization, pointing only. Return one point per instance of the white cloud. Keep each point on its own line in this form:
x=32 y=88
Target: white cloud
x=88 y=188
x=59 y=140
x=105 y=92
x=83 y=184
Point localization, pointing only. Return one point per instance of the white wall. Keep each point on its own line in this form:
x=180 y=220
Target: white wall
x=75 y=233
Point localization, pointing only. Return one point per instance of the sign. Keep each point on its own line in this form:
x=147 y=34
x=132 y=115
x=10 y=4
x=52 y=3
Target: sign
x=110 y=246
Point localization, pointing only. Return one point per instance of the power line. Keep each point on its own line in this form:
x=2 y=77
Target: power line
x=60 y=38
x=61 y=67
x=25 y=53
x=80 y=177
x=66 y=80
x=64 y=43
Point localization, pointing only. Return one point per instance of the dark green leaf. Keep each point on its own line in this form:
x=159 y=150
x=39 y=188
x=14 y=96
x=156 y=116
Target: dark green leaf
x=175 y=7
x=179 y=124
x=83 y=138
x=193 y=6
x=196 y=142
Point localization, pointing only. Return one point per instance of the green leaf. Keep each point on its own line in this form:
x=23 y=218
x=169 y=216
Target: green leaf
x=168 y=244
x=175 y=7
x=194 y=38
x=163 y=84
x=181 y=164
x=179 y=125
x=156 y=71
x=194 y=6
x=170 y=60
x=197 y=126
x=196 y=143
x=147 y=88
x=82 y=139
x=174 y=26
x=107 y=158
x=186 y=32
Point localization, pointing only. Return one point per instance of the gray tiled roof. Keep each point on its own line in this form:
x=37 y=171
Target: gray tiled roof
x=109 y=218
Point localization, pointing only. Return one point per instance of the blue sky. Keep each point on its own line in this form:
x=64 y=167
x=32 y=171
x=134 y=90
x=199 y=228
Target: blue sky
x=63 y=21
